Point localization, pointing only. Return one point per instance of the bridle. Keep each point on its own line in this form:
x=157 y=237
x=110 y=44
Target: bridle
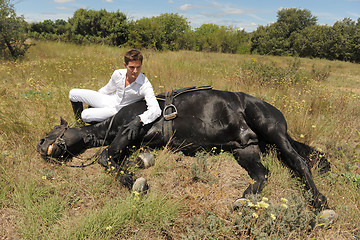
x=60 y=143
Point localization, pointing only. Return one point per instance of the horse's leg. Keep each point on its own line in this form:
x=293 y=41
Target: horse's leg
x=118 y=169
x=269 y=124
x=249 y=159
x=312 y=156
x=114 y=159
x=299 y=165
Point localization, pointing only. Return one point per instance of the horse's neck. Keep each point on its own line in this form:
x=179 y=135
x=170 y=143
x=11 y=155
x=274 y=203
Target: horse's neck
x=94 y=136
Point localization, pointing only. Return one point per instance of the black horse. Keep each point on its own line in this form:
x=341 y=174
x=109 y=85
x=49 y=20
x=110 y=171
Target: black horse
x=232 y=121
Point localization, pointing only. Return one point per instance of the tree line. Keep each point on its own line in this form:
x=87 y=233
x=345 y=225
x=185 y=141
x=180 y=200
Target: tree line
x=295 y=33
x=168 y=31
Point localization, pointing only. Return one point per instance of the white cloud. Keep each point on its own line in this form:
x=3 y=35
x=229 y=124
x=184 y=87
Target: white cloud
x=109 y=1
x=171 y=1
x=63 y=1
x=357 y=15
x=234 y=11
x=64 y=8
x=33 y=17
x=220 y=14
x=215 y=9
x=61 y=8
x=186 y=7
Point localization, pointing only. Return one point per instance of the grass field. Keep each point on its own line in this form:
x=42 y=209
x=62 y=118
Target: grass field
x=189 y=197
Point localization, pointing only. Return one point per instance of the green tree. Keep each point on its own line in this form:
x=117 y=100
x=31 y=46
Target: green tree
x=235 y=41
x=186 y=41
x=12 y=32
x=47 y=26
x=60 y=26
x=173 y=27
x=145 y=33
x=161 y=32
x=92 y=24
x=347 y=42
x=356 y=43
x=314 y=42
x=226 y=39
x=295 y=20
x=275 y=38
x=271 y=39
x=49 y=30
x=205 y=38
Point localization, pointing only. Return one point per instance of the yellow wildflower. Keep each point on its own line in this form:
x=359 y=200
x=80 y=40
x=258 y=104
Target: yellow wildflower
x=284 y=205
x=252 y=181
x=263 y=204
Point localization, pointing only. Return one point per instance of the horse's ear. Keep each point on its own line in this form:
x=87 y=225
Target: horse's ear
x=63 y=122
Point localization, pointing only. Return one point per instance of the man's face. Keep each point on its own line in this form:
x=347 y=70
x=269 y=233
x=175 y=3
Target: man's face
x=133 y=70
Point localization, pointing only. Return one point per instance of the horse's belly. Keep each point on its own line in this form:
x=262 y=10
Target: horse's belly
x=199 y=131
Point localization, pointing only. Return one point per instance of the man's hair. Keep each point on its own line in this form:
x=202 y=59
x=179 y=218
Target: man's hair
x=133 y=55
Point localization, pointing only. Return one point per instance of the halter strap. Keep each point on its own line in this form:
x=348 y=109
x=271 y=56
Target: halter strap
x=62 y=142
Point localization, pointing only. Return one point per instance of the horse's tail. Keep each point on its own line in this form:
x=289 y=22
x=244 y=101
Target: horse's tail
x=314 y=158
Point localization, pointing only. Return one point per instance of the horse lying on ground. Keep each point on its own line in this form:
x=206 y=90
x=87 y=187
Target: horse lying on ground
x=232 y=121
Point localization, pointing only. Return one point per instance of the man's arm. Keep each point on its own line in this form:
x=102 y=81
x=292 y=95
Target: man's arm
x=153 y=109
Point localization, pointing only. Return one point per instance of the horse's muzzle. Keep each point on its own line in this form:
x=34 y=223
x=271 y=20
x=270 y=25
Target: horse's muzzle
x=44 y=150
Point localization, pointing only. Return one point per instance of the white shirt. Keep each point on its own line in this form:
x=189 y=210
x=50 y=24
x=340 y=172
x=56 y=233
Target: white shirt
x=141 y=88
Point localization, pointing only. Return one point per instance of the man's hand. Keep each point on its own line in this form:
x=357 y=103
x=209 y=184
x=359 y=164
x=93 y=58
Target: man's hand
x=133 y=128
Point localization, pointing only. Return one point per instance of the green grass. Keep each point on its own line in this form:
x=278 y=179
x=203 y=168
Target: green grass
x=189 y=197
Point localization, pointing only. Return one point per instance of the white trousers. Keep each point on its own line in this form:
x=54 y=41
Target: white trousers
x=103 y=106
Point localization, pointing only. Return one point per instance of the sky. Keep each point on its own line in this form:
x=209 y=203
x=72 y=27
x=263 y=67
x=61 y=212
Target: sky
x=247 y=15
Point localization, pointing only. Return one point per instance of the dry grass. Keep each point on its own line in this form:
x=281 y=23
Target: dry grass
x=40 y=200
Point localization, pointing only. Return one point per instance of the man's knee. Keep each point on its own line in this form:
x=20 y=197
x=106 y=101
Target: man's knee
x=87 y=116
x=97 y=114
x=73 y=94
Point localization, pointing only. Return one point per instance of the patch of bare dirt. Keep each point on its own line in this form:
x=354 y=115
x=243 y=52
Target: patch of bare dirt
x=8 y=220
x=216 y=188
x=213 y=192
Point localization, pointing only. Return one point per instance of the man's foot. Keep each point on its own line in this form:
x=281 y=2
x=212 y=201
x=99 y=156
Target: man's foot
x=79 y=123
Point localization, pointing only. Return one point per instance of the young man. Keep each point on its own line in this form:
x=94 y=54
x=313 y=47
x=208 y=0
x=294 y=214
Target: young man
x=126 y=86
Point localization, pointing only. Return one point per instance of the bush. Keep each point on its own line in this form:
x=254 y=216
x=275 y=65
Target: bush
x=260 y=219
x=12 y=32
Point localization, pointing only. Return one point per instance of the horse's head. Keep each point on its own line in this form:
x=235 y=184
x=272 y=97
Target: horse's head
x=59 y=143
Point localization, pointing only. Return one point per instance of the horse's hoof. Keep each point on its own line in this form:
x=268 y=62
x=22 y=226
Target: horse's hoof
x=147 y=159
x=103 y=159
x=327 y=217
x=140 y=186
x=238 y=204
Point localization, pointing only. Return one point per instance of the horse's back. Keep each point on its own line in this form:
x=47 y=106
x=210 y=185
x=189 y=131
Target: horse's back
x=209 y=117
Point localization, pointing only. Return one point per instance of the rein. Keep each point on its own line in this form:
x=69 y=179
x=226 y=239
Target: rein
x=61 y=142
